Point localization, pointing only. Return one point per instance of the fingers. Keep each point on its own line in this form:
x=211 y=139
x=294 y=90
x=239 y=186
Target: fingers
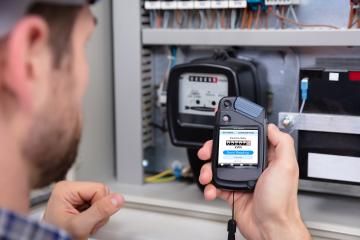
x=210 y=192
x=205 y=174
x=99 y=226
x=96 y=216
x=205 y=152
x=81 y=192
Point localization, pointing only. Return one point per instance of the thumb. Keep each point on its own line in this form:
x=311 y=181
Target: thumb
x=86 y=222
x=284 y=149
x=282 y=142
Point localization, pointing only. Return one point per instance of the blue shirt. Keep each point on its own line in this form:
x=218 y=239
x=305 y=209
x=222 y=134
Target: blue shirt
x=16 y=227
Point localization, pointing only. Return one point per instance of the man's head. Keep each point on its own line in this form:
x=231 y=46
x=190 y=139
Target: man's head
x=43 y=76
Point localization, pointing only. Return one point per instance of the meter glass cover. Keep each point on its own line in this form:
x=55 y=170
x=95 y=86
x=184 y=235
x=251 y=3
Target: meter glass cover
x=199 y=94
x=238 y=147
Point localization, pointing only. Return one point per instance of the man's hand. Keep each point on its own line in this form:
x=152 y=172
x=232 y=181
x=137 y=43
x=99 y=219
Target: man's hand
x=81 y=208
x=271 y=211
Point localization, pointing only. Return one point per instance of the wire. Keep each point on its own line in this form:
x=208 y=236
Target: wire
x=244 y=18
x=158 y=19
x=278 y=19
x=162 y=174
x=267 y=19
x=176 y=172
x=152 y=19
x=233 y=206
x=238 y=18
x=192 y=17
x=231 y=228
x=189 y=15
x=212 y=16
x=250 y=20
x=304 y=95
x=302 y=106
x=223 y=19
x=282 y=12
x=351 y=15
x=233 y=19
x=257 y=18
x=218 y=20
x=202 y=19
x=299 y=116
x=358 y=17
x=166 y=19
x=163 y=177
x=179 y=18
x=162 y=128
x=290 y=21
x=287 y=10
x=292 y=10
x=161 y=91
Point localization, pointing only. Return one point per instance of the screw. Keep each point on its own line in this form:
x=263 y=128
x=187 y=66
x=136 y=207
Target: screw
x=287 y=122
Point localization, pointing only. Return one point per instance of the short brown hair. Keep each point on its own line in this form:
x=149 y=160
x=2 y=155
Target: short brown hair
x=61 y=20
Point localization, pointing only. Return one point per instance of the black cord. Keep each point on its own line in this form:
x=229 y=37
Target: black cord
x=233 y=207
x=232 y=222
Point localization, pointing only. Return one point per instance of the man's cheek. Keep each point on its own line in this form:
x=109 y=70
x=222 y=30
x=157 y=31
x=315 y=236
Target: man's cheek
x=83 y=77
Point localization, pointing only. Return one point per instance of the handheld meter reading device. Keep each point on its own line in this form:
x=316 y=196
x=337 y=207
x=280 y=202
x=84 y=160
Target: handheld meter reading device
x=239 y=149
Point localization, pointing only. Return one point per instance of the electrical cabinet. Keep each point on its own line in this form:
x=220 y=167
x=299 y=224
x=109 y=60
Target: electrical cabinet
x=282 y=41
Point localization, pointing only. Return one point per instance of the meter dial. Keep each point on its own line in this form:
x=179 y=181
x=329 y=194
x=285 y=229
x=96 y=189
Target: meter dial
x=199 y=94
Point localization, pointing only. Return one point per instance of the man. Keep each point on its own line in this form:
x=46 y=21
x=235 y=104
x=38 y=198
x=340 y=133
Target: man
x=43 y=76
x=272 y=211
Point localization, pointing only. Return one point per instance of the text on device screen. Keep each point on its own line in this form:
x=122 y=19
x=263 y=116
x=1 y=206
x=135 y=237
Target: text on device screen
x=238 y=147
x=199 y=94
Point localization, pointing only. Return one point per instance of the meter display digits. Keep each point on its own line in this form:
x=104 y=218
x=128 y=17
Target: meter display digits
x=199 y=94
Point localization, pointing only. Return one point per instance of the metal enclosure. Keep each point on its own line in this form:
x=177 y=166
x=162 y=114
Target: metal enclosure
x=140 y=60
x=128 y=90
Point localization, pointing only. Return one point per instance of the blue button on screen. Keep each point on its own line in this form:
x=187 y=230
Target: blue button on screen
x=234 y=152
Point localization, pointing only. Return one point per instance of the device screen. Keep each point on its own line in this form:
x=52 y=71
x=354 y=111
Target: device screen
x=238 y=147
x=199 y=94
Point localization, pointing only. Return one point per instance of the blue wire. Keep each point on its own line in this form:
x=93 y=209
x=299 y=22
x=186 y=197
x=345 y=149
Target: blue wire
x=173 y=56
x=304 y=89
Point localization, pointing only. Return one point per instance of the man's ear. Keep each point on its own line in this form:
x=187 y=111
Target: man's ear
x=27 y=57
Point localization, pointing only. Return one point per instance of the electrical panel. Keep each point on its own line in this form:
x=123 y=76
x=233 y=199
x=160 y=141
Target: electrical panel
x=328 y=97
x=241 y=14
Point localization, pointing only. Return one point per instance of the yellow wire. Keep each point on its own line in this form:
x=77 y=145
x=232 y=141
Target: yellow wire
x=162 y=174
x=160 y=178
